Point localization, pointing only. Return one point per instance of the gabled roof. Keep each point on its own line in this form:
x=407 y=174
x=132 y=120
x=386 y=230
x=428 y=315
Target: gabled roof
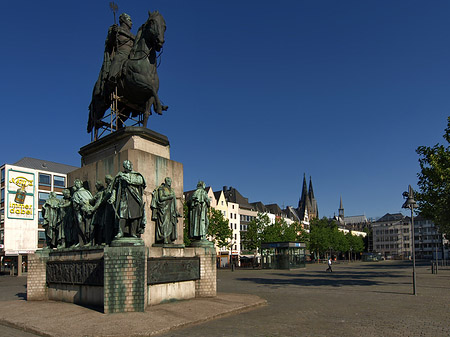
x=217 y=195
x=291 y=213
x=274 y=209
x=355 y=219
x=391 y=217
x=259 y=206
x=233 y=195
x=45 y=165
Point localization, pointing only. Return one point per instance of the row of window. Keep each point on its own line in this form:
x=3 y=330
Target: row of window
x=425 y=230
x=428 y=245
x=390 y=231
x=45 y=180
x=247 y=218
x=3 y=175
x=391 y=238
x=387 y=246
x=426 y=237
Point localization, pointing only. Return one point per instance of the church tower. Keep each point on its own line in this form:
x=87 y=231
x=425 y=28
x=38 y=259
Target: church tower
x=341 y=211
x=307 y=205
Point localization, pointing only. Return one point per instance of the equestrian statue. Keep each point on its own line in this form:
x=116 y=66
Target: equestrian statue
x=128 y=75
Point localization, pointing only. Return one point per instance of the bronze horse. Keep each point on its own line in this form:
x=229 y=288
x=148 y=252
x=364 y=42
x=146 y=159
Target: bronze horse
x=138 y=83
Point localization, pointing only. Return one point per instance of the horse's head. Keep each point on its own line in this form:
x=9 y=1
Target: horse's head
x=154 y=30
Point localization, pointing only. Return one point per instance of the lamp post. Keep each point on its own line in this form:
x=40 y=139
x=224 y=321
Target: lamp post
x=411 y=203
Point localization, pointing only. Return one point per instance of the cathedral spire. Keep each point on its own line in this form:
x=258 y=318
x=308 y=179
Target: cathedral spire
x=307 y=205
x=341 y=210
x=304 y=195
x=311 y=192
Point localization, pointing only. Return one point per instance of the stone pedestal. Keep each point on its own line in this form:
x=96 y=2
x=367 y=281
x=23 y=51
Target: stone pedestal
x=206 y=286
x=125 y=279
x=150 y=154
x=36 y=279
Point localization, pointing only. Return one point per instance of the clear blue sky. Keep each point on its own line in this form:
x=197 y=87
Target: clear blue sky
x=258 y=92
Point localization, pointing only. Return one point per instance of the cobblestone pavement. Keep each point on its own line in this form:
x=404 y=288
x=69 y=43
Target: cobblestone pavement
x=13 y=288
x=357 y=299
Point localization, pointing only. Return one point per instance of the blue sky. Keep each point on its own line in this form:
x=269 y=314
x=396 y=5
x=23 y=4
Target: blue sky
x=259 y=93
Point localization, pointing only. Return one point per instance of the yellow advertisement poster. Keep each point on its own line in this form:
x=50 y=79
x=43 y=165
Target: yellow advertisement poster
x=20 y=203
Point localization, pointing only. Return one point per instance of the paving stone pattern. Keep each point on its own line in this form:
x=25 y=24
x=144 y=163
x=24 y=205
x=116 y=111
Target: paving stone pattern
x=357 y=299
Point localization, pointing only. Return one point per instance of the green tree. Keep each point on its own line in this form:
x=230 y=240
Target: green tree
x=320 y=238
x=339 y=241
x=218 y=229
x=301 y=234
x=281 y=231
x=434 y=182
x=355 y=244
x=253 y=236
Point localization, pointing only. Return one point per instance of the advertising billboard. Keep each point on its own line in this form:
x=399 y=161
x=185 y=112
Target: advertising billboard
x=21 y=198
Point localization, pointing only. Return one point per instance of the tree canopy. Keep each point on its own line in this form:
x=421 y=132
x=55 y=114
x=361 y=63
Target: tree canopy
x=433 y=197
x=326 y=237
x=253 y=236
x=260 y=229
x=219 y=229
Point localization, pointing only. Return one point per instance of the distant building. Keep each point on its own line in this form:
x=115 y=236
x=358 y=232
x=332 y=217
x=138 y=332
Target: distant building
x=25 y=186
x=356 y=224
x=428 y=242
x=392 y=236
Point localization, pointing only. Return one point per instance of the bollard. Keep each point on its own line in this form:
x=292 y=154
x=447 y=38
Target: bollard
x=432 y=267
x=232 y=267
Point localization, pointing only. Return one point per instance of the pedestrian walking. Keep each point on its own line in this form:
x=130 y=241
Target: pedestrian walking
x=329 y=265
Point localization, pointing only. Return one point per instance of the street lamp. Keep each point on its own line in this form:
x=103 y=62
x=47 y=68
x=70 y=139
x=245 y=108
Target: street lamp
x=411 y=203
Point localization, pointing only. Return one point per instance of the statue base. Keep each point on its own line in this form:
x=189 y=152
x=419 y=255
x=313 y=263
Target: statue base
x=168 y=245
x=201 y=243
x=127 y=241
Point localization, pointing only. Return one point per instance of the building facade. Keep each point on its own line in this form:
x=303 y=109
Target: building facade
x=392 y=236
x=428 y=242
x=25 y=186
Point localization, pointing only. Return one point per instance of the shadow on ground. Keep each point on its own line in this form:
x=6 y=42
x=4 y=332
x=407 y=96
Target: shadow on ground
x=338 y=278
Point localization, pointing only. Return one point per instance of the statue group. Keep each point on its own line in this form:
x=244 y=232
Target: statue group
x=117 y=210
x=129 y=70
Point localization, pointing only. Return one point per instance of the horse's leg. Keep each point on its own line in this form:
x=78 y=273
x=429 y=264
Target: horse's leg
x=147 y=112
x=157 y=105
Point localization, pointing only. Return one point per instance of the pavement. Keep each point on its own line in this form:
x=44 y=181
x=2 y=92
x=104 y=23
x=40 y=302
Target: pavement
x=357 y=299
